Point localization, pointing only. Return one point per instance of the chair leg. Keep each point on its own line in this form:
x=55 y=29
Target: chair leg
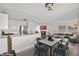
x=54 y=54
x=64 y=54
x=46 y=53
x=34 y=53
x=67 y=52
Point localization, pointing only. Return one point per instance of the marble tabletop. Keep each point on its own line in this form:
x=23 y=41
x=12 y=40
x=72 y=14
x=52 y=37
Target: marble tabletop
x=50 y=43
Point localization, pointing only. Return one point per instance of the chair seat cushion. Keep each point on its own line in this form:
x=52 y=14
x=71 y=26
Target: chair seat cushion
x=61 y=48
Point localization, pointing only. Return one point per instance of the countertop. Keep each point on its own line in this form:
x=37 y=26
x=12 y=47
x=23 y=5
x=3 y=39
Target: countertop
x=17 y=35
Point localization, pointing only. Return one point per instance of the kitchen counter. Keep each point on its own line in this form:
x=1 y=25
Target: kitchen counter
x=15 y=35
x=19 y=43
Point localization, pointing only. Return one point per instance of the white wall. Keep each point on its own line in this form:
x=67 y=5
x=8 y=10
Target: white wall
x=14 y=26
x=68 y=18
x=16 y=18
x=31 y=27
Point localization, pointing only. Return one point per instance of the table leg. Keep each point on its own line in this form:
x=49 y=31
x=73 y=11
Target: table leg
x=50 y=51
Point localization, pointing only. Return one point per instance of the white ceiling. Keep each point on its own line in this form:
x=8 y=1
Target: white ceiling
x=40 y=12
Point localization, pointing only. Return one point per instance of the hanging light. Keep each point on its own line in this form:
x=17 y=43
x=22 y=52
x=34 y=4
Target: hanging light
x=49 y=6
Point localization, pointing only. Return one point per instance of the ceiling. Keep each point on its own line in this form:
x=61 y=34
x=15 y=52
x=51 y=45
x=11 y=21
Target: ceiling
x=38 y=10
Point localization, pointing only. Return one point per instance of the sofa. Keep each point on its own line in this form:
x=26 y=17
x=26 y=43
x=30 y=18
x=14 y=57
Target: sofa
x=74 y=39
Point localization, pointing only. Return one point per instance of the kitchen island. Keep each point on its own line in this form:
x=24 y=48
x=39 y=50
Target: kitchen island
x=19 y=43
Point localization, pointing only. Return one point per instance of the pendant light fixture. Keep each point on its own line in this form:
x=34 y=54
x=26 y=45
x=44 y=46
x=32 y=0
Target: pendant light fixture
x=49 y=6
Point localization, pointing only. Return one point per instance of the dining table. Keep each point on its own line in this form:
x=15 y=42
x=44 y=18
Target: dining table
x=50 y=44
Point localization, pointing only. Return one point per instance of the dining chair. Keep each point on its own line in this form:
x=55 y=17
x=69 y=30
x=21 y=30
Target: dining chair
x=40 y=48
x=61 y=49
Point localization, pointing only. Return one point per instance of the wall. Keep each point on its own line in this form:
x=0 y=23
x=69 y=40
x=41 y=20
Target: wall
x=31 y=27
x=68 y=18
x=14 y=26
x=16 y=18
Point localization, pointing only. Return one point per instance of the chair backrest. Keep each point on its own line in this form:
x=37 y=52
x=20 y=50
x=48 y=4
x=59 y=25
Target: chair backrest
x=66 y=41
x=37 y=39
x=74 y=36
x=35 y=45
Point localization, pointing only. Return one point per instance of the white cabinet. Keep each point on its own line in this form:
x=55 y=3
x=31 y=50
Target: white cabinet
x=3 y=45
x=3 y=21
